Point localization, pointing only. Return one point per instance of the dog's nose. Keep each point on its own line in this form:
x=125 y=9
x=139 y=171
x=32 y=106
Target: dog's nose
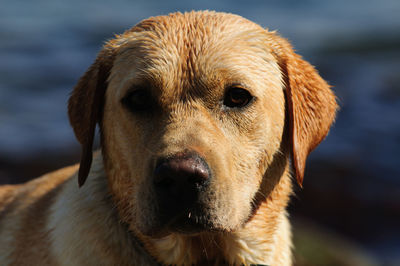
x=179 y=173
x=179 y=179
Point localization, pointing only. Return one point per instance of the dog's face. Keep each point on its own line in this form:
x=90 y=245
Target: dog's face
x=193 y=119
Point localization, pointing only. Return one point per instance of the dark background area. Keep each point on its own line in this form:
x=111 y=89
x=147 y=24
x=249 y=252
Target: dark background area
x=352 y=182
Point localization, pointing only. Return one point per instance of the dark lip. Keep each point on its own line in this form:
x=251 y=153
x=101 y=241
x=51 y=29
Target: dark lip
x=190 y=221
x=193 y=221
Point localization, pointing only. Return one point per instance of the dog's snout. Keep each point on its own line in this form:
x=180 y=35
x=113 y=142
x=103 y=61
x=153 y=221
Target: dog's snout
x=178 y=182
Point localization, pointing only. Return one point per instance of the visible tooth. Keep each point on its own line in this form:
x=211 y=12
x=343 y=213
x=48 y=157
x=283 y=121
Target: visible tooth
x=190 y=214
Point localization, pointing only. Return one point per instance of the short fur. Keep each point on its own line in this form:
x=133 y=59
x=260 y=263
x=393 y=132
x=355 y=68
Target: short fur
x=186 y=62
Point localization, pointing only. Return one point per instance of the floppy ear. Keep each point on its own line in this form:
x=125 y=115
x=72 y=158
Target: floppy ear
x=85 y=107
x=311 y=106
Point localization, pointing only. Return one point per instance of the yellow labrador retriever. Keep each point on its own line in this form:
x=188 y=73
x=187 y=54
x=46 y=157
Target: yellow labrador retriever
x=200 y=115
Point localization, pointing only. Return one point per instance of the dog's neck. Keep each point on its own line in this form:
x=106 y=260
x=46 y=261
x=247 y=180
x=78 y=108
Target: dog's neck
x=257 y=242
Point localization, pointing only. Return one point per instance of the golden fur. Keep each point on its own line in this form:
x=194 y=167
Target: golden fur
x=186 y=62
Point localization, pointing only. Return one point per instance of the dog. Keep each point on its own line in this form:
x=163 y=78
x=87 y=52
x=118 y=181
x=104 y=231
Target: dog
x=203 y=119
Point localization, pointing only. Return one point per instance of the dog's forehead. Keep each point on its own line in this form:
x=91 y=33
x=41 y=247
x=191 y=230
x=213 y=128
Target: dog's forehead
x=196 y=47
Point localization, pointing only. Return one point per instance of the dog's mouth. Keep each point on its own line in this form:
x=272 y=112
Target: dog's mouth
x=190 y=222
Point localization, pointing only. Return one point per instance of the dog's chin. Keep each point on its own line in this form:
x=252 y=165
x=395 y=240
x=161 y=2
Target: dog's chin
x=188 y=224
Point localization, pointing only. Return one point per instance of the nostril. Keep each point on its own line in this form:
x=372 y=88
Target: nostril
x=163 y=177
x=163 y=181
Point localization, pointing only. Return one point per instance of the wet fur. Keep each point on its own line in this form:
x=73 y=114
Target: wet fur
x=186 y=61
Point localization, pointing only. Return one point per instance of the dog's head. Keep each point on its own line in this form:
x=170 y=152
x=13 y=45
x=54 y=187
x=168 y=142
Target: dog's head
x=198 y=114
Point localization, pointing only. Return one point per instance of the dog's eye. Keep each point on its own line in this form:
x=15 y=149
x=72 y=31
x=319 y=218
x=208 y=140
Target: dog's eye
x=237 y=97
x=138 y=100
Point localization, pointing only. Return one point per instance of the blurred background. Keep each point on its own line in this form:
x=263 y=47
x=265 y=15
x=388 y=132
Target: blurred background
x=349 y=210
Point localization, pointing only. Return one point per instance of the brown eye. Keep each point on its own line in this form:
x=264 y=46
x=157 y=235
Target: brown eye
x=138 y=100
x=237 y=97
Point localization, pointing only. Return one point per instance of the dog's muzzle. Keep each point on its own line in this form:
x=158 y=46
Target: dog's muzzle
x=178 y=182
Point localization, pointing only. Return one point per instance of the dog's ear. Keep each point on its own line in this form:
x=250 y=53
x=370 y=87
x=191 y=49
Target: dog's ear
x=85 y=107
x=311 y=105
